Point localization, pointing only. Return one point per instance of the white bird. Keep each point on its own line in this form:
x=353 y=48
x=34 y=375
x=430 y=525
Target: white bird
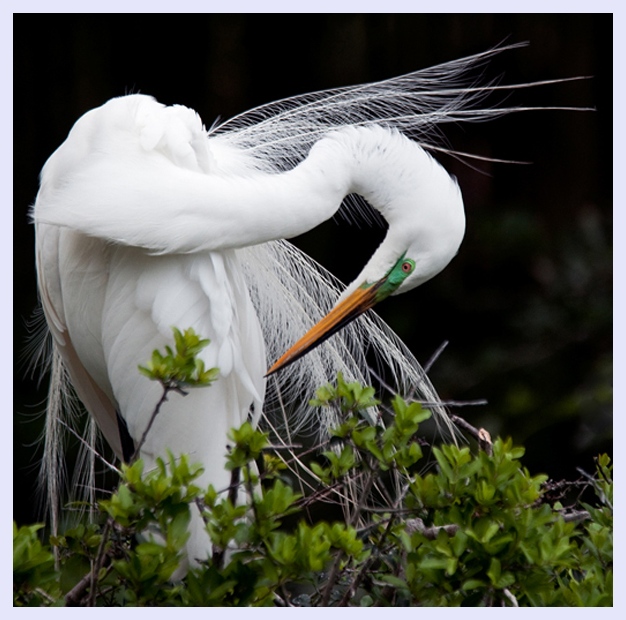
x=145 y=220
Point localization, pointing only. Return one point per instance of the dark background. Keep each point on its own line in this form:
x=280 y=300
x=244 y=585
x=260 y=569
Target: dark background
x=526 y=305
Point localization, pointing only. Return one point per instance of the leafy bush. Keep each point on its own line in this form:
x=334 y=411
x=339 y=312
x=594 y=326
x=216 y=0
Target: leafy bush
x=478 y=529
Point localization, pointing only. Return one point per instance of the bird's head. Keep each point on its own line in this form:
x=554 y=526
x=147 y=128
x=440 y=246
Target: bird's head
x=426 y=226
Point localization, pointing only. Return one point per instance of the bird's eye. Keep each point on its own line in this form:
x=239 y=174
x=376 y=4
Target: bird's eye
x=408 y=266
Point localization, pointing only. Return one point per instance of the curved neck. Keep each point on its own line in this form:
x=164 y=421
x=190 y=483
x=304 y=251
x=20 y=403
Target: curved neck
x=143 y=199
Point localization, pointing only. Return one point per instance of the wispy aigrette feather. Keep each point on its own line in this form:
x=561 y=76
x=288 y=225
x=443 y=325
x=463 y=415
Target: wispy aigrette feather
x=279 y=134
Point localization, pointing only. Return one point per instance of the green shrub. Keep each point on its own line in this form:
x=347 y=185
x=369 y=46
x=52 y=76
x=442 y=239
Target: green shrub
x=476 y=530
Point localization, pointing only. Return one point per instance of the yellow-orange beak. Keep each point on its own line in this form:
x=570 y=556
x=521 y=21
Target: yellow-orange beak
x=343 y=313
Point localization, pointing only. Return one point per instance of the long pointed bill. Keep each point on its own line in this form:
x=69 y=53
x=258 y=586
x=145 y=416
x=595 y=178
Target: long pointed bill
x=343 y=313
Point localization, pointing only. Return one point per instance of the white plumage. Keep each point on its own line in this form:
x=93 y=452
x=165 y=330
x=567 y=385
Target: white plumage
x=145 y=221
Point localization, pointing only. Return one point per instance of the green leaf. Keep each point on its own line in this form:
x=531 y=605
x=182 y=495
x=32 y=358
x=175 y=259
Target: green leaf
x=494 y=571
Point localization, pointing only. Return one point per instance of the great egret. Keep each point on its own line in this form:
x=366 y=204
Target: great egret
x=145 y=220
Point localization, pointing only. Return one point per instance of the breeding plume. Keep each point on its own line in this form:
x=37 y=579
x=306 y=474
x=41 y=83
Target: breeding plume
x=145 y=220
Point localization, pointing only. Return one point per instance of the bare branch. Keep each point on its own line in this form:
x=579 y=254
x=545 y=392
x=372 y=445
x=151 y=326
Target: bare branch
x=167 y=388
x=510 y=596
x=435 y=356
x=430 y=532
x=481 y=435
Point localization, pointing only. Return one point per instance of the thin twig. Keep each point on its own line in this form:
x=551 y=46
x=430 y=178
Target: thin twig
x=595 y=485
x=480 y=434
x=167 y=388
x=454 y=403
x=349 y=593
x=354 y=517
x=45 y=595
x=511 y=597
x=99 y=562
x=218 y=553
x=435 y=356
x=576 y=515
x=235 y=480
x=273 y=447
x=74 y=597
x=417 y=525
x=331 y=580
